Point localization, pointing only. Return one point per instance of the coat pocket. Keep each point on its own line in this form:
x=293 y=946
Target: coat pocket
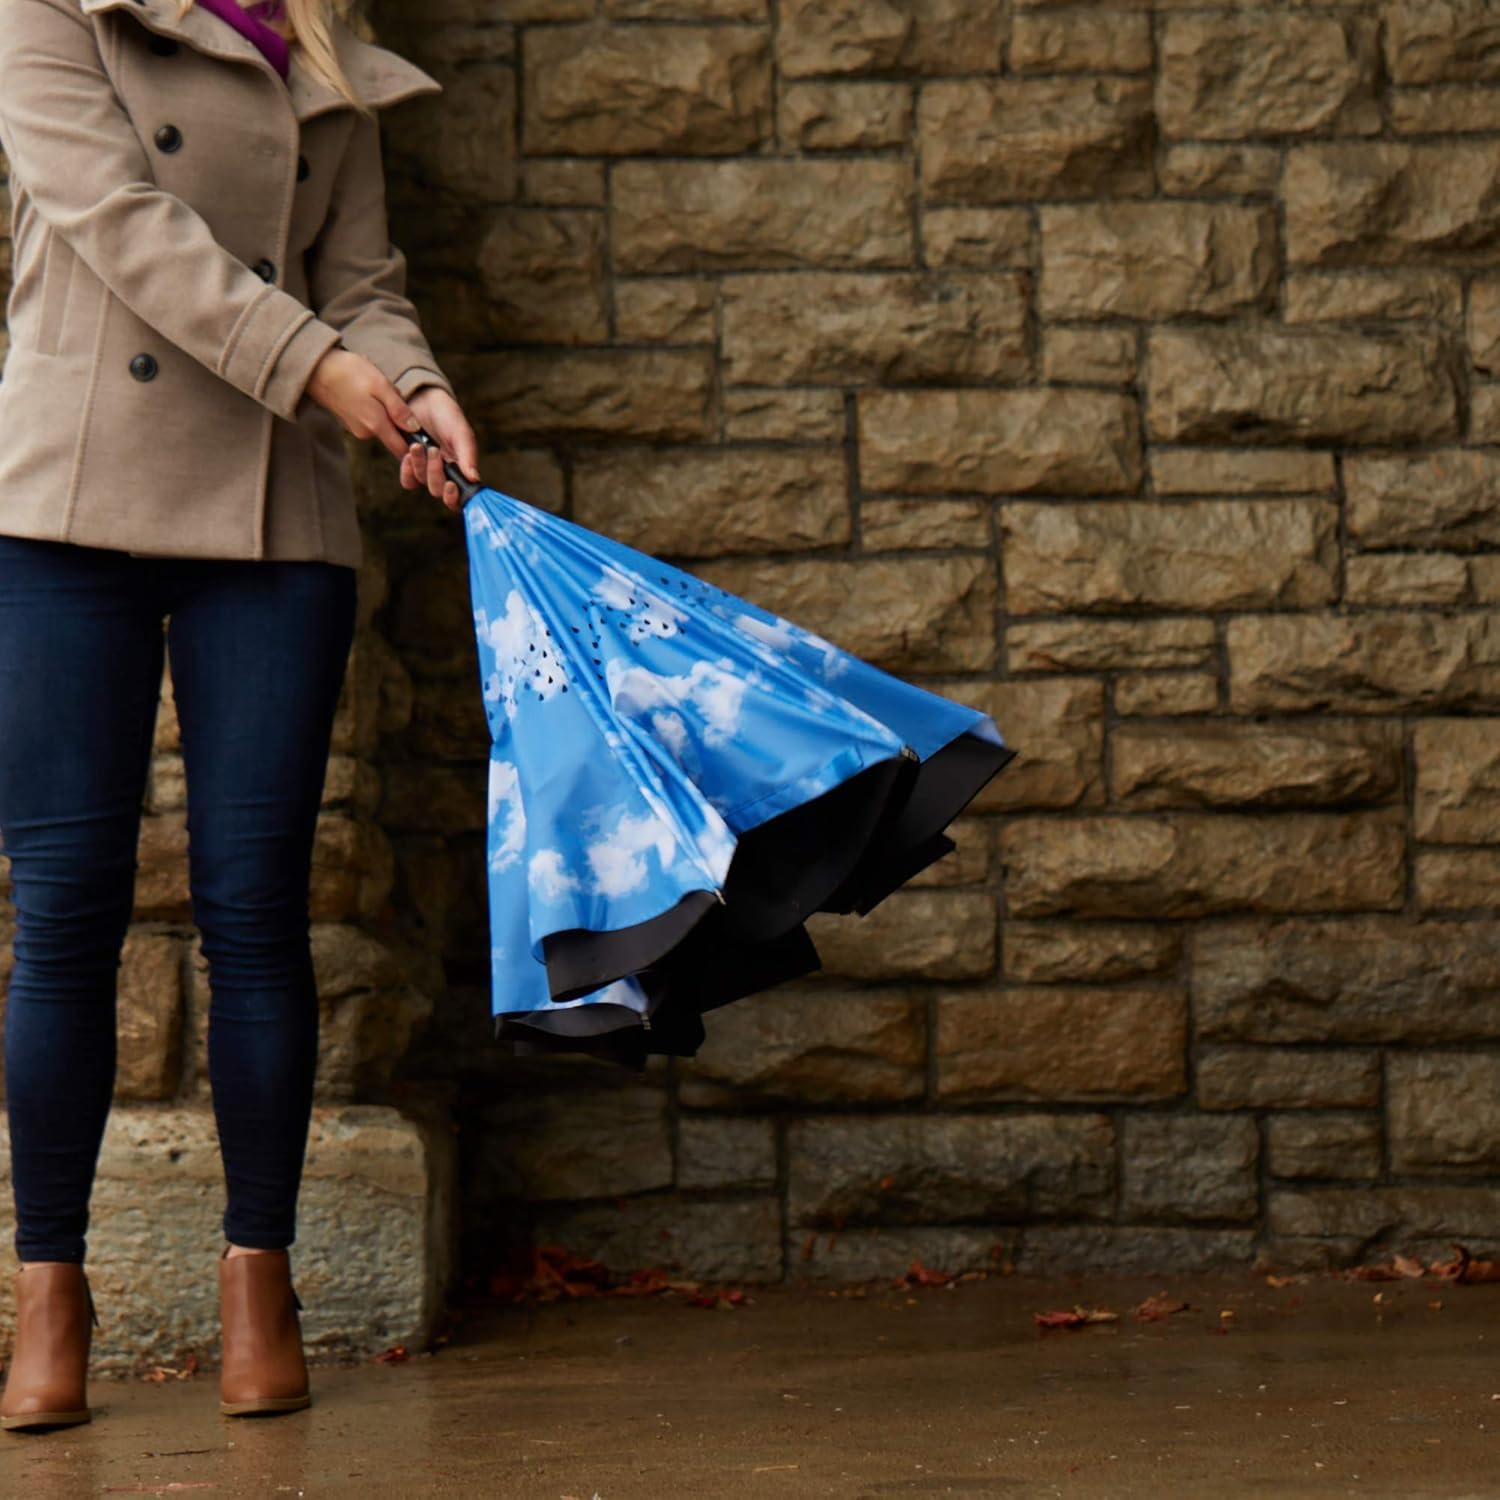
x=58 y=299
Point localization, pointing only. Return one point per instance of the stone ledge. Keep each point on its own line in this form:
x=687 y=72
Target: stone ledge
x=371 y=1262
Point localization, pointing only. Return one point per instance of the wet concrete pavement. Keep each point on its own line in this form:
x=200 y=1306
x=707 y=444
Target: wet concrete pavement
x=1315 y=1389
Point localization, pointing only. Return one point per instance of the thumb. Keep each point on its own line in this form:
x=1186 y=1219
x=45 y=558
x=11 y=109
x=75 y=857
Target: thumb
x=397 y=409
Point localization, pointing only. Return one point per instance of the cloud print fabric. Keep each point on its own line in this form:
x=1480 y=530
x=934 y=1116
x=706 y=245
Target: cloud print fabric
x=647 y=726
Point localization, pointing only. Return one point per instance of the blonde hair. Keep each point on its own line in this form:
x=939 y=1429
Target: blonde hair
x=308 y=26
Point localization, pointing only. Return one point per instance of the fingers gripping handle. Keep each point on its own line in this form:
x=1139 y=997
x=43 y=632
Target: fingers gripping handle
x=466 y=487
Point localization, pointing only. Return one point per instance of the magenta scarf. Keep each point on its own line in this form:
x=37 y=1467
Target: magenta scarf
x=249 y=25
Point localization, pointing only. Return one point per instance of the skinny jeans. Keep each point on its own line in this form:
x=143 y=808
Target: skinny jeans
x=258 y=651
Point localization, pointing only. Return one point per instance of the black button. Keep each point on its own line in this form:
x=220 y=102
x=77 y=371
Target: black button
x=163 y=46
x=303 y=170
x=169 y=137
x=143 y=367
x=265 y=270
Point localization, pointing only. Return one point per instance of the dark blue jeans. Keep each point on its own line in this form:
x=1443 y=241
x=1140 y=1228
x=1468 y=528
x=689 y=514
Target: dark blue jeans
x=258 y=651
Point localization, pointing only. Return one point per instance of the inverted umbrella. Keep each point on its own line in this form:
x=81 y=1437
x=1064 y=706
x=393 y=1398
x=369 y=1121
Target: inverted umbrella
x=678 y=778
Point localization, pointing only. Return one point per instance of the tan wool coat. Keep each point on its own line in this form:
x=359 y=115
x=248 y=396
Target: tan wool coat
x=191 y=235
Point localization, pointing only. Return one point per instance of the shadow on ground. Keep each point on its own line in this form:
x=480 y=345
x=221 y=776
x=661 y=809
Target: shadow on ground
x=1315 y=1389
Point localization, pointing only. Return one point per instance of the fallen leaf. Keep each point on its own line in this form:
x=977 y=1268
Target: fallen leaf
x=1075 y=1317
x=1465 y=1270
x=395 y=1355
x=1159 y=1306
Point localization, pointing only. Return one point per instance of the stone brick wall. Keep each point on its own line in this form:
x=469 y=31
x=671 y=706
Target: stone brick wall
x=1132 y=371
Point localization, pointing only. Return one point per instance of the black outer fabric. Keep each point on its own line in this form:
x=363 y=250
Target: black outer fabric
x=843 y=851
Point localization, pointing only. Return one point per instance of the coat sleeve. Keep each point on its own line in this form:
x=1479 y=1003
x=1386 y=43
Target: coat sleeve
x=73 y=147
x=357 y=278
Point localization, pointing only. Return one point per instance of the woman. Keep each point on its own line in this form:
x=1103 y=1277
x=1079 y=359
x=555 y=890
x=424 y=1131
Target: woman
x=205 y=298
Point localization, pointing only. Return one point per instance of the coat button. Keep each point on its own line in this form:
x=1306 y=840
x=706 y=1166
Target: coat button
x=303 y=170
x=163 y=46
x=143 y=367
x=168 y=137
x=265 y=269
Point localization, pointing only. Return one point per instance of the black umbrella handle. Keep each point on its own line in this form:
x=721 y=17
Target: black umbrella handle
x=467 y=489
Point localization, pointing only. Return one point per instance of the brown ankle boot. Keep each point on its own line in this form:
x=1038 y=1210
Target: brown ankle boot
x=263 y=1367
x=46 y=1385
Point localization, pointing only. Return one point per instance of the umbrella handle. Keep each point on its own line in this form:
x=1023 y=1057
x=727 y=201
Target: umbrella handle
x=467 y=489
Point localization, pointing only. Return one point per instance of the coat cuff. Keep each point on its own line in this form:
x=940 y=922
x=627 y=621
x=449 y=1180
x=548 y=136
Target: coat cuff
x=274 y=349
x=411 y=380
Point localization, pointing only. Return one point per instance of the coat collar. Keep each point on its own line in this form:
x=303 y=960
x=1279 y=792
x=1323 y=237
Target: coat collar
x=380 y=77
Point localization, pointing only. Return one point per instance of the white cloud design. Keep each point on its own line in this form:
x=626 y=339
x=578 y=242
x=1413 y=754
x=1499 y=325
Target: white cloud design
x=653 y=617
x=522 y=649
x=716 y=695
x=548 y=876
x=782 y=635
x=616 y=859
x=509 y=840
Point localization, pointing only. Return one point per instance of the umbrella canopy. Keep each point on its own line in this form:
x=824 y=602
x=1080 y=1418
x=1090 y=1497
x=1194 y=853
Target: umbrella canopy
x=677 y=779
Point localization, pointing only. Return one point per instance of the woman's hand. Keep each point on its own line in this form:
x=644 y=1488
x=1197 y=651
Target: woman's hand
x=441 y=415
x=368 y=405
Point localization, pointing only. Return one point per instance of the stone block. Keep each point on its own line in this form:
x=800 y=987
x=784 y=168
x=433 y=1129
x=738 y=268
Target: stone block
x=575 y=1143
x=463 y=141
x=760 y=215
x=565 y=182
x=1264 y=73
x=706 y=502
x=1061 y=1044
x=915 y=36
x=1060 y=1250
x=999 y=140
x=1058 y=731
x=1377 y=204
x=1088 y=952
x=1061 y=441
x=1324 y=1145
x=1440 y=501
x=1201 y=864
x=1448 y=109
x=902 y=525
x=823 y=1045
x=1105 y=645
x=149 y=993
x=542 y=271
x=1361 y=979
x=1413 y=1219
x=760 y=416
x=1265 y=384
x=724 y=1241
x=1154 y=694
x=1266 y=765
x=1211 y=168
x=371 y=1261
x=1283 y=1078
x=1458 y=880
x=665 y=310
x=715 y=1152
x=643 y=395
x=1090 y=355
x=1484 y=324
x=1444 y=1112
x=1136 y=554
x=631 y=90
x=844 y=329
x=1391 y=579
x=1442 y=41
x=845 y=116
x=1382 y=661
x=1320 y=297
x=971 y=863
x=1187 y=1167
x=1081 y=41
x=1458 y=781
x=976 y=239
x=910 y=935
x=854 y=1255
x=948 y=1169
x=920 y=614
x=1155 y=260
x=1241 y=471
